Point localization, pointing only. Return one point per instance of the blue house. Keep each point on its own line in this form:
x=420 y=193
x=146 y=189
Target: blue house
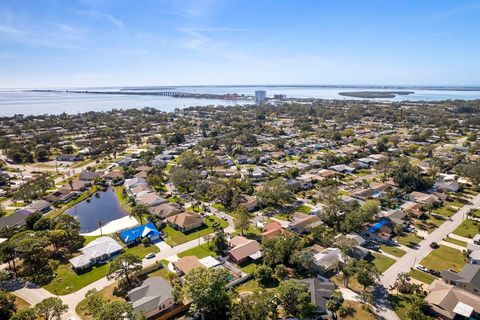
x=136 y=234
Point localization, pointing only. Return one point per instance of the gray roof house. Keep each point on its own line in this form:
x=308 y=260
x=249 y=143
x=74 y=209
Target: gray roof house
x=152 y=297
x=100 y=249
x=468 y=279
x=320 y=292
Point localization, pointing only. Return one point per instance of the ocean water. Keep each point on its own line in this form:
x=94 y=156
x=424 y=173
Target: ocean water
x=20 y=101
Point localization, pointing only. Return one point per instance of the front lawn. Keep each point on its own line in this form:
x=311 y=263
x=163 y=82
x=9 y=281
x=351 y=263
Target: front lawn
x=67 y=281
x=105 y=294
x=200 y=252
x=175 y=237
x=446 y=211
x=141 y=251
x=444 y=258
x=469 y=228
x=358 y=311
x=394 y=251
x=304 y=208
x=401 y=304
x=422 y=276
x=410 y=239
x=381 y=262
x=456 y=241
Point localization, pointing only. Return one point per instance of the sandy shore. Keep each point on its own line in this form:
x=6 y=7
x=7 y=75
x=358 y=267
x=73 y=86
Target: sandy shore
x=114 y=226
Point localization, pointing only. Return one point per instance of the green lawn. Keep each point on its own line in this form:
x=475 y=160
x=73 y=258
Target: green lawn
x=469 y=228
x=304 y=208
x=422 y=276
x=401 y=304
x=444 y=258
x=68 y=281
x=141 y=251
x=162 y=272
x=176 y=237
x=409 y=239
x=394 y=251
x=200 y=252
x=445 y=211
x=89 y=239
x=381 y=262
x=455 y=203
x=249 y=268
x=456 y=241
x=219 y=206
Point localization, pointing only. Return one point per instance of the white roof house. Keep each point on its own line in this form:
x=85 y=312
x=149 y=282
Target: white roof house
x=99 y=249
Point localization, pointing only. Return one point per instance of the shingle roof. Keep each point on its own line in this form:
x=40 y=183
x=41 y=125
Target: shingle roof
x=150 y=295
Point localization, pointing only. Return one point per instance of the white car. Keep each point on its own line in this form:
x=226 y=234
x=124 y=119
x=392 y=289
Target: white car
x=150 y=255
x=421 y=268
x=224 y=217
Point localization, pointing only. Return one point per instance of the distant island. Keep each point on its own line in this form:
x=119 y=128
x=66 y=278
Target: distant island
x=374 y=94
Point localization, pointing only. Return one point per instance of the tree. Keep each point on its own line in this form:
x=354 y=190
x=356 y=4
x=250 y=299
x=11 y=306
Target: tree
x=219 y=241
x=471 y=171
x=367 y=275
x=206 y=289
x=50 y=308
x=242 y=219
x=27 y=314
x=58 y=238
x=139 y=211
x=7 y=304
x=263 y=274
x=274 y=192
x=408 y=177
x=32 y=219
x=335 y=302
x=348 y=270
x=124 y=267
x=8 y=255
x=279 y=250
x=116 y=310
x=261 y=305
x=71 y=226
x=295 y=299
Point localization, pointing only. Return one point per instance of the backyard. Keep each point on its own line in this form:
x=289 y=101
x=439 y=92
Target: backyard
x=175 y=237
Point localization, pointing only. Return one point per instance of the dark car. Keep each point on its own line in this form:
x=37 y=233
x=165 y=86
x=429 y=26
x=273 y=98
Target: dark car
x=434 y=245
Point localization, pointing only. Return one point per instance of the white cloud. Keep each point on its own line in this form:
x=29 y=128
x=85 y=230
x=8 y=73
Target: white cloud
x=99 y=15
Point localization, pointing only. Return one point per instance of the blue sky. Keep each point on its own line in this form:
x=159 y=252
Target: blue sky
x=114 y=43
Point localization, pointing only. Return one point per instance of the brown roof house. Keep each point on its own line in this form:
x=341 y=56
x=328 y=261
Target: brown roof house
x=186 y=264
x=165 y=210
x=243 y=249
x=450 y=302
x=301 y=222
x=249 y=202
x=185 y=221
x=272 y=229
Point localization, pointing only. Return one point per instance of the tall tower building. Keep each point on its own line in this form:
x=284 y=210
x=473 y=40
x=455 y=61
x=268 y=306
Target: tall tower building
x=260 y=96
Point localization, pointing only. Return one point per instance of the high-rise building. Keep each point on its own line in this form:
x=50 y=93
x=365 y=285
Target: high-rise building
x=260 y=96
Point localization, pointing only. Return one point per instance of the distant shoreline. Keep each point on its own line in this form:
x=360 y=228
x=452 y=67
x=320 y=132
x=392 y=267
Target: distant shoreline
x=375 y=94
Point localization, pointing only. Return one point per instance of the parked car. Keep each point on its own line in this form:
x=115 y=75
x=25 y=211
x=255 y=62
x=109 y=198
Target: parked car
x=422 y=268
x=150 y=255
x=434 y=245
x=224 y=217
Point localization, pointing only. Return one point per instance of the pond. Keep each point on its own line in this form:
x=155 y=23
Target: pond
x=102 y=207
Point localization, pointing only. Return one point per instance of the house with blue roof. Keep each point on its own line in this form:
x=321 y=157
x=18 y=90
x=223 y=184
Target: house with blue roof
x=381 y=231
x=136 y=234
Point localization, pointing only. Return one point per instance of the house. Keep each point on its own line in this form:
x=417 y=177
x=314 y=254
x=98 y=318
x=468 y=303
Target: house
x=113 y=175
x=186 y=264
x=327 y=259
x=89 y=175
x=150 y=199
x=69 y=157
x=447 y=186
x=468 y=279
x=153 y=296
x=77 y=185
x=41 y=206
x=474 y=257
x=397 y=217
x=359 y=252
x=99 y=250
x=136 y=234
x=367 y=161
x=364 y=194
x=15 y=220
x=412 y=208
x=325 y=173
x=423 y=198
x=272 y=229
x=61 y=195
x=131 y=183
x=302 y=222
x=165 y=210
x=243 y=249
x=449 y=302
x=342 y=168
x=380 y=231
x=320 y=292
x=249 y=202
x=185 y=221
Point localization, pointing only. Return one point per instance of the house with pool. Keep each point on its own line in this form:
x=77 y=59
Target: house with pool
x=136 y=234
